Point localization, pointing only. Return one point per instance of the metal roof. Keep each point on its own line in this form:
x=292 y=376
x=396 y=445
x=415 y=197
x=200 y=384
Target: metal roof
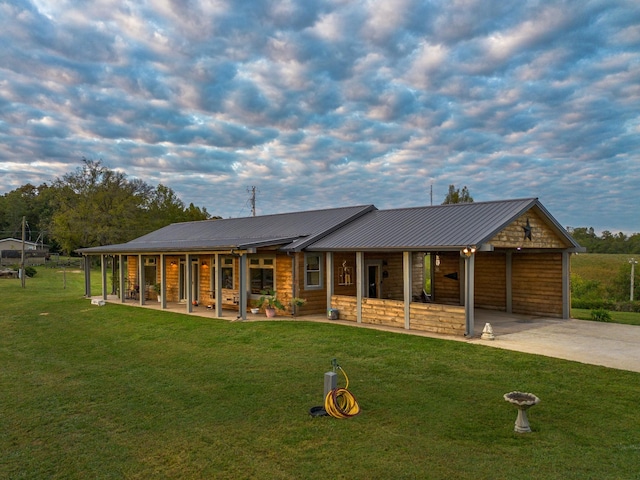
x=435 y=227
x=290 y=231
x=358 y=228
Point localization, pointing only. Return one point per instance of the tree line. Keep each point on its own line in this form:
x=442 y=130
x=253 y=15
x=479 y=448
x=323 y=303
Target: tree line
x=91 y=206
x=607 y=242
x=95 y=205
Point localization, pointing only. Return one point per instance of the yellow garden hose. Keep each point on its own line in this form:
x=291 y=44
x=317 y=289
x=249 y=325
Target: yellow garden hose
x=340 y=402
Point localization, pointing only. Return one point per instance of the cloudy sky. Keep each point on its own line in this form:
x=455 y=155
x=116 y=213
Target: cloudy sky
x=326 y=103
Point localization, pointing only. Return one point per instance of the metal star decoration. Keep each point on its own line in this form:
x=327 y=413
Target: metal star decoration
x=527 y=230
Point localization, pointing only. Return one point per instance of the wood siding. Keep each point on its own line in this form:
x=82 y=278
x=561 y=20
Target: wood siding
x=379 y=311
x=447 y=290
x=172 y=275
x=347 y=260
x=435 y=318
x=443 y=319
x=491 y=281
x=537 y=284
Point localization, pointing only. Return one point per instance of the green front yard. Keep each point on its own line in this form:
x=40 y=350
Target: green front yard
x=123 y=392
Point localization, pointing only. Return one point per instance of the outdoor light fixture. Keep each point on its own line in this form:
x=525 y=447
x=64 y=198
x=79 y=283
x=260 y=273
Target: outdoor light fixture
x=468 y=250
x=173 y=263
x=204 y=264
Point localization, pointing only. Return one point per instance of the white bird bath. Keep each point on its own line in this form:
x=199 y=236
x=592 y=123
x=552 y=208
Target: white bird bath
x=522 y=401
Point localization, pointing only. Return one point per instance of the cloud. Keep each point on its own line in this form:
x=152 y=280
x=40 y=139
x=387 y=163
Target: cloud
x=326 y=102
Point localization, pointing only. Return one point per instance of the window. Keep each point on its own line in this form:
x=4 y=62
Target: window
x=261 y=274
x=312 y=270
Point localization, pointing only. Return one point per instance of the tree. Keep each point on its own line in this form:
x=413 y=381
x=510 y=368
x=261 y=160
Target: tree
x=456 y=196
x=163 y=208
x=607 y=243
x=30 y=202
x=98 y=206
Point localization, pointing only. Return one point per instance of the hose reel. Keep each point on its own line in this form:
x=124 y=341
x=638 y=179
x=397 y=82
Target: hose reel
x=339 y=402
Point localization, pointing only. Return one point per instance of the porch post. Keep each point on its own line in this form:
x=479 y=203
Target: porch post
x=163 y=281
x=218 y=285
x=406 y=274
x=189 y=273
x=469 y=281
x=566 y=285
x=243 y=287
x=103 y=274
x=359 y=284
x=329 y=274
x=509 y=274
x=123 y=290
x=141 y=279
x=87 y=276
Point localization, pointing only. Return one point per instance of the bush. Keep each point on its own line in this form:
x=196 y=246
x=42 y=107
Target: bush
x=600 y=315
x=592 y=303
x=28 y=270
x=628 y=306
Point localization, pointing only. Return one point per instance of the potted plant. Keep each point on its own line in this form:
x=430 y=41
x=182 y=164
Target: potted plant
x=269 y=301
x=295 y=303
x=255 y=308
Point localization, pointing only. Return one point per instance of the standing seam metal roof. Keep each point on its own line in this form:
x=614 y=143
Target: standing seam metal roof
x=348 y=228
x=285 y=229
x=442 y=226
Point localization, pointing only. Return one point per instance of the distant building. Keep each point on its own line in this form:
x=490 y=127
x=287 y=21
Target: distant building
x=11 y=252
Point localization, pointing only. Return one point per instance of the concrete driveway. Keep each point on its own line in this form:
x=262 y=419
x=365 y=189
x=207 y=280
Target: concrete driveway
x=597 y=343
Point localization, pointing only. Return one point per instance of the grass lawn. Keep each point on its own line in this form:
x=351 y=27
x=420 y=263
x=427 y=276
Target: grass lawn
x=598 y=266
x=123 y=392
x=630 y=318
x=602 y=268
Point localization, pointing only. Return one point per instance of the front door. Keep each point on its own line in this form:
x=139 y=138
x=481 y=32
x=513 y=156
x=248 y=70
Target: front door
x=373 y=280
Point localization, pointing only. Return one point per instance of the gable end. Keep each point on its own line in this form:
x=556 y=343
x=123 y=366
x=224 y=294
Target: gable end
x=530 y=223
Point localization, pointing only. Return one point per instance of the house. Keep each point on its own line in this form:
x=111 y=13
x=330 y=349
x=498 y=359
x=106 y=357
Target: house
x=422 y=268
x=11 y=252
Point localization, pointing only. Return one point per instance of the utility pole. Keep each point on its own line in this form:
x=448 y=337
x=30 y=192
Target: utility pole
x=22 y=275
x=633 y=263
x=252 y=191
